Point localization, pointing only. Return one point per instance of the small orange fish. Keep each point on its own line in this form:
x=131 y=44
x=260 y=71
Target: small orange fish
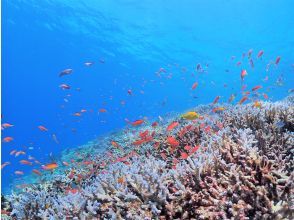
x=187 y=147
x=50 y=166
x=121 y=180
x=77 y=114
x=172 y=125
x=194 y=149
x=257 y=104
x=114 y=143
x=172 y=141
x=265 y=96
x=137 y=122
x=19 y=172
x=278 y=60
x=83 y=110
x=37 y=172
x=243 y=74
x=64 y=86
x=218 y=109
x=207 y=129
x=65 y=163
x=102 y=110
x=13 y=152
x=260 y=53
x=6 y=125
x=243 y=100
x=194 y=86
x=19 y=153
x=25 y=162
x=7 y=139
x=216 y=100
x=42 y=128
x=154 y=124
x=65 y=72
x=138 y=142
x=4 y=165
x=184 y=155
x=256 y=88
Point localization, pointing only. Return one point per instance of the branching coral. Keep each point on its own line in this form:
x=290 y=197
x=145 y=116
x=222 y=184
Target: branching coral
x=238 y=164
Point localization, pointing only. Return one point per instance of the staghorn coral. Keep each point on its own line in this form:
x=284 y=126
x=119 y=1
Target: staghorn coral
x=241 y=169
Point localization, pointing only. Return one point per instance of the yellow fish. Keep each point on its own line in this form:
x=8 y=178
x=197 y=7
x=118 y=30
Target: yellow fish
x=190 y=115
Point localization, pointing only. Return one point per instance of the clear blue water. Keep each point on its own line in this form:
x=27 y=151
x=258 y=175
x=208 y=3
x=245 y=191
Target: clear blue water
x=136 y=39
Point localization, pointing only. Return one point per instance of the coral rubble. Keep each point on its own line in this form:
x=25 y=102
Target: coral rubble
x=233 y=164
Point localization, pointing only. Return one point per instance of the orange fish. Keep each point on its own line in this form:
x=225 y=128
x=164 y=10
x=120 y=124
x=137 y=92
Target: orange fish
x=50 y=166
x=42 y=128
x=243 y=100
x=260 y=53
x=265 y=96
x=7 y=139
x=4 y=165
x=172 y=141
x=6 y=125
x=37 y=172
x=184 y=155
x=65 y=163
x=121 y=180
x=12 y=152
x=19 y=172
x=137 y=122
x=218 y=109
x=77 y=114
x=172 y=126
x=65 y=72
x=19 y=153
x=256 y=88
x=207 y=129
x=64 y=86
x=102 y=110
x=243 y=74
x=194 y=86
x=138 y=142
x=216 y=100
x=257 y=104
x=187 y=147
x=25 y=162
x=278 y=60
x=83 y=110
x=194 y=149
x=72 y=191
x=144 y=134
x=154 y=124
x=114 y=143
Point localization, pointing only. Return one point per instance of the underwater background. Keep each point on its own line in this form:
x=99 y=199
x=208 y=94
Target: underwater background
x=144 y=57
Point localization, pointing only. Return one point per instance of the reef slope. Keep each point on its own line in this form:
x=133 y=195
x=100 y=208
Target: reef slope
x=233 y=164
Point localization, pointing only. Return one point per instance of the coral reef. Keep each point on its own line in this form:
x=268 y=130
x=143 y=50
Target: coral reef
x=233 y=164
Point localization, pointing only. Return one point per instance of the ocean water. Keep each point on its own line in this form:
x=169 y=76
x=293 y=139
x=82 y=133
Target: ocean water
x=149 y=47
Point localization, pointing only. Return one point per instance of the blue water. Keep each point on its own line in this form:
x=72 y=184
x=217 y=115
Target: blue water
x=135 y=39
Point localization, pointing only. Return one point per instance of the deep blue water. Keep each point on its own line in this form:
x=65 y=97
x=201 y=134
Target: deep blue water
x=135 y=39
